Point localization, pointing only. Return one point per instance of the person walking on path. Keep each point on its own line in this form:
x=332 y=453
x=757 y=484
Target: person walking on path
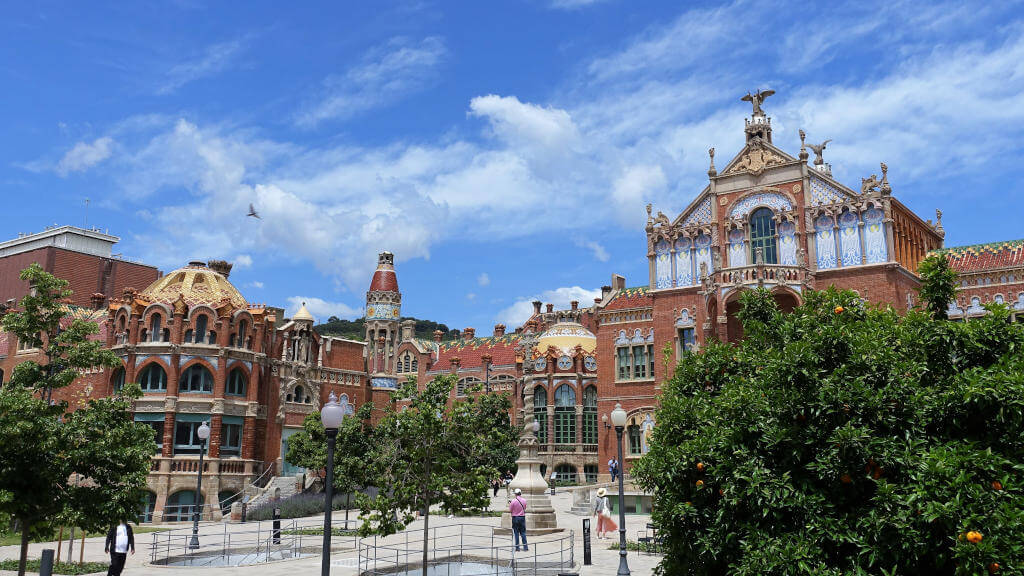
x=603 y=511
x=517 y=508
x=120 y=539
x=613 y=468
x=509 y=476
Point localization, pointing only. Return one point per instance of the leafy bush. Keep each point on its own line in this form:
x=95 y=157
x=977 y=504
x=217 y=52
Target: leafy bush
x=297 y=506
x=58 y=567
x=843 y=439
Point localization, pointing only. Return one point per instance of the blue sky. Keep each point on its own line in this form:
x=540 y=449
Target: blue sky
x=504 y=151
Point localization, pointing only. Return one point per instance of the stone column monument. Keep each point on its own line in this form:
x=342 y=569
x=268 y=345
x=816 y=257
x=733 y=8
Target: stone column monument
x=540 y=516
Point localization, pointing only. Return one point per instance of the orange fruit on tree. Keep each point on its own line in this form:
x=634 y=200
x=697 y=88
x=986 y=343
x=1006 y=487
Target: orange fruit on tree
x=839 y=310
x=993 y=568
x=700 y=466
x=974 y=537
x=997 y=485
x=700 y=483
x=845 y=479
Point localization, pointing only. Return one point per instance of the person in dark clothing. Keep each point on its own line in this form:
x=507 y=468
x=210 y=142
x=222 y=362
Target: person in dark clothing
x=120 y=539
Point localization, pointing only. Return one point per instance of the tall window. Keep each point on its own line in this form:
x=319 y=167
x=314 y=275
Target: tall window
x=153 y=378
x=565 y=415
x=179 y=506
x=186 y=435
x=154 y=420
x=635 y=446
x=196 y=379
x=640 y=361
x=118 y=379
x=687 y=339
x=540 y=413
x=231 y=436
x=590 y=415
x=146 y=507
x=236 y=383
x=200 y=330
x=155 y=330
x=762 y=235
x=622 y=363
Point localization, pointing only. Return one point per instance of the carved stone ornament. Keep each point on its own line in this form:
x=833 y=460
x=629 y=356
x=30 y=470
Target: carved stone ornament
x=755 y=161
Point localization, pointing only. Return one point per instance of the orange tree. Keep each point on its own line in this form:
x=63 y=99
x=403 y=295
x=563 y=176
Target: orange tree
x=844 y=439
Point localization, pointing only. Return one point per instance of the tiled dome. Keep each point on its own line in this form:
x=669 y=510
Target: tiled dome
x=565 y=336
x=197 y=283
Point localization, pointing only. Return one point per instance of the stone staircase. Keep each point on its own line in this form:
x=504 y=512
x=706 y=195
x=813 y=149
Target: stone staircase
x=278 y=488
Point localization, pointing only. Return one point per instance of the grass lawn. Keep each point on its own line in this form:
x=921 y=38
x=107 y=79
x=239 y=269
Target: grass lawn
x=15 y=539
x=58 y=568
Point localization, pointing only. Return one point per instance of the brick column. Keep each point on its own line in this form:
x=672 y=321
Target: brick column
x=213 y=446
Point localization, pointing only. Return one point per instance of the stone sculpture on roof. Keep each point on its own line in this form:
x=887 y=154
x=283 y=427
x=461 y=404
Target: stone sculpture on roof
x=756 y=99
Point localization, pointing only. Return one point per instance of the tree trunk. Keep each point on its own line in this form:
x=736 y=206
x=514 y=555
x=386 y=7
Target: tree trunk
x=24 y=549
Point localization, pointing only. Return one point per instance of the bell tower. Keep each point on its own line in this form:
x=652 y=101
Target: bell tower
x=383 y=312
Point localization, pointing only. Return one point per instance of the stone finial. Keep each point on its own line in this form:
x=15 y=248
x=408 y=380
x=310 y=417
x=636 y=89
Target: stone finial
x=884 y=184
x=803 y=146
x=438 y=335
x=938 y=223
x=499 y=330
x=649 y=219
x=712 y=172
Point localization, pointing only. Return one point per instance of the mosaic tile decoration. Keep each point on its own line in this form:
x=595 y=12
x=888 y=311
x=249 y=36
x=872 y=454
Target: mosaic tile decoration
x=744 y=206
x=849 y=238
x=825 y=243
x=701 y=214
x=662 y=265
x=823 y=192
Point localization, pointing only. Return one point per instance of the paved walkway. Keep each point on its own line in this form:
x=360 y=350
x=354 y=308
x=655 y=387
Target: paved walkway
x=605 y=561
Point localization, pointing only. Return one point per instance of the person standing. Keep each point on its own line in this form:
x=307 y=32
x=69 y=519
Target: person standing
x=603 y=512
x=517 y=508
x=509 y=476
x=120 y=539
x=612 y=467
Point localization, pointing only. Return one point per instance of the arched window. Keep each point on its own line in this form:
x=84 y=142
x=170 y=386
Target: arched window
x=565 y=474
x=565 y=415
x=179 y=506
x=196 y=379
x=147 y=506
x=153 y=378
x=762 y=235
x=243 y=328
x=236 y=382
x=200 y=330
x=635 y=445
x=590 y=416
x=117 y=380
x=298 y=396
x=540 y=413
x=155 y=331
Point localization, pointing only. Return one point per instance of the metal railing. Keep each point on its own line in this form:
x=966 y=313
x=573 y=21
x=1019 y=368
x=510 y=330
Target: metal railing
x=465 y=550
x=222 y=544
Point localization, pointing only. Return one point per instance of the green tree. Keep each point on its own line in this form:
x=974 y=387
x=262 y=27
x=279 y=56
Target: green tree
x=308 y=449
x=428 y=452
x=89 y=466
x=843 y=439
x=938 y=284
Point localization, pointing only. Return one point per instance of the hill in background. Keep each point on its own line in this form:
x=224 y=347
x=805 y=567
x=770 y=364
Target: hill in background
x=356 y=329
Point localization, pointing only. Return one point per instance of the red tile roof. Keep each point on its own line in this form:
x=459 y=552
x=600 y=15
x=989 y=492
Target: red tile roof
x=636 y=297
x=384 y=281
x=502 y=350
x=980 y=257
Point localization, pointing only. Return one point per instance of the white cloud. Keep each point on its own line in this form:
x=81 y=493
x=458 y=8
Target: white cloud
x=471 y=296
x=387 y=74
x=243 y=261
x=522 y=309
x=322 y=309
x=483 y=279
x=215 y=59
x=599 y=252
x=256 y=284
x=85 y=155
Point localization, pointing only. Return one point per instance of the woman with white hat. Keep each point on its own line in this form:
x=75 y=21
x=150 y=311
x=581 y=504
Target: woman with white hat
x=603 y=512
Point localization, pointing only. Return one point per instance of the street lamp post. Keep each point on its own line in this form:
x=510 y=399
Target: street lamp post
x=203 y=432
x=331 y=416
x=619 y=421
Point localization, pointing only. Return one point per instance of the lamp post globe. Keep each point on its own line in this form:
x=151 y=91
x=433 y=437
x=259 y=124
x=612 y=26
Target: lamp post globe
x=203 y=432
x=331 y=416
x=619 y=421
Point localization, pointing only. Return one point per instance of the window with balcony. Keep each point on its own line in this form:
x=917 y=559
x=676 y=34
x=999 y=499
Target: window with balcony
x=237 y=382
x=196 y=379
x=186 y=433
x=762 y=235
x=153 y=378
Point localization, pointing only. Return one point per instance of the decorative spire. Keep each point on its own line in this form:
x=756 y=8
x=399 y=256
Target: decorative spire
x=884 y=184
x=711 y=171
x=803 y=147
x=938 y=223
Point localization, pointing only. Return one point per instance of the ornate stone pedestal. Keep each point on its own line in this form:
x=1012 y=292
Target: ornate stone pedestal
x=540 y=516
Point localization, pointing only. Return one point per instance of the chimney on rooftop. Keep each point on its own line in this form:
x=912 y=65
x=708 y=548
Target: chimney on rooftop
x=97 y=300
x=551 y=308
x=575 y=304
x=469 y=333
x=437 y=335
x=499 y=330
x=222 y=267
x=605 y=291
x=408 y=329
x=618 y=282
x=536 y=306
